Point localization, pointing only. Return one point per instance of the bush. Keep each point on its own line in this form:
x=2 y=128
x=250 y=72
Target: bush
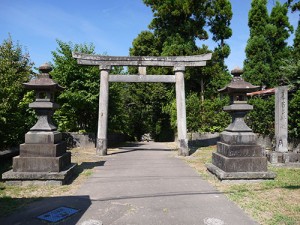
x=206 y=116
x=262 y=118
x=294 y=116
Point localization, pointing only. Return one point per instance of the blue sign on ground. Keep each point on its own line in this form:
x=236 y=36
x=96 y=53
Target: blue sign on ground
x=58 y=214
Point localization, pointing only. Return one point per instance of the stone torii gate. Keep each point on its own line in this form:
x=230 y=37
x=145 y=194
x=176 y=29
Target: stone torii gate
x=177 y=62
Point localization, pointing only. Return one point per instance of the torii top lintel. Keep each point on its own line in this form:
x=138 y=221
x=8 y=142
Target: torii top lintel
x=171 y=61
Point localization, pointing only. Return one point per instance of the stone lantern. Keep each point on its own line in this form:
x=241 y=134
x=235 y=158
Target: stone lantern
x=238 y=156
x=43 y=157
x=237 y=90
x=44 y=104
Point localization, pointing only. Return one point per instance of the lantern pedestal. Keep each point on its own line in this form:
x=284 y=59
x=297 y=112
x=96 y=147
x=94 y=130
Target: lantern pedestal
x=43 y=157
x=238 y=155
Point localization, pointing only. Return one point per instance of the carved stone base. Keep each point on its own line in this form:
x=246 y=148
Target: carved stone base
x=222 y=175
x=238 y=157
x=284 y=157
x=41 y=164
x=39 y=178
x=183 y=149
x=240 y=164
x=101 y=148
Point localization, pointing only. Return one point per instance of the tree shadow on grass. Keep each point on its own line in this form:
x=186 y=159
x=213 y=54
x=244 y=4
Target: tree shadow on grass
x=85 y=166
x=291 y=187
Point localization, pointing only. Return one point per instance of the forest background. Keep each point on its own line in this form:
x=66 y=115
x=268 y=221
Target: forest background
x=177 y=28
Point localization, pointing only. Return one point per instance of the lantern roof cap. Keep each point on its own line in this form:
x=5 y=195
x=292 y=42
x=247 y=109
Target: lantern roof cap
x=43 y=80
x=237 y=84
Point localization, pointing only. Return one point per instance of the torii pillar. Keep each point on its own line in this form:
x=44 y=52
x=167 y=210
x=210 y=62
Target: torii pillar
x=101 y=147
x=183 y=149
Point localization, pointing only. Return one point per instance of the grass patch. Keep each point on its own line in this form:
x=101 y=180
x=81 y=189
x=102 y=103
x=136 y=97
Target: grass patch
x=14 y=197
x=270 y=202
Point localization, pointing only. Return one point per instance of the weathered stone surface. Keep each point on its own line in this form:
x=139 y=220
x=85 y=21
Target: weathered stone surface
x=222 y=175
x=43 y=137
x=195 y=60
x=101 y=148
x=290 y=157
x=183 y=149
x=238 y=156
x=239 y=150
x=203 y=139
x=142 y=78
x=240 y=164
x=284 y=157
x=238 y=138
x=41 y=164
x=42 y=150
x=281 y=119
x=275 y=157
x=39 y=178
x=238 y=124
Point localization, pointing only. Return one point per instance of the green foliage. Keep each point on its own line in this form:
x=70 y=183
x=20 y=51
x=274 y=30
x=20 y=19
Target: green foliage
x=278 y=41
x=119 y=116
x=258 y=51
x=267 y=50
x=185 y=17
x=258 y=17
x=261 y=118
x=296 y=45
x=219 y=21
x=144 y=103
x=79 y=101
x=145 y=44
x=290 y=67
x=257 y=64
x=177 y=45
x=175 y=27
x=220 y=15
x=213 y=118
x=294 y=116
x=202 y=116
x=15 y=69
x=294 y=6
x=280 y=20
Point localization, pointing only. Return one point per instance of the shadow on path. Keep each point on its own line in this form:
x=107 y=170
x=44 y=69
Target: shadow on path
x=29 y=214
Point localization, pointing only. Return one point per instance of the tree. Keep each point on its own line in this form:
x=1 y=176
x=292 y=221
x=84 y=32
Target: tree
x=174 y=29
x=281 y=29
x=15 y=117
x=257 y=64
x=296 y=45
x=145 y=44
x=294 y=116
x=184 y=17
x=79 y=101
x=294 y=6
x=219 y=22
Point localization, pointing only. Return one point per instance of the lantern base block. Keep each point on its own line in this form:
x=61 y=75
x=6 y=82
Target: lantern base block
x=40 y=178
x=222 y=175
x=239 y=157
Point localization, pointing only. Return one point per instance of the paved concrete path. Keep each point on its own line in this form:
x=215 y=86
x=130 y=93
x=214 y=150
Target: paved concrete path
x=144 y=185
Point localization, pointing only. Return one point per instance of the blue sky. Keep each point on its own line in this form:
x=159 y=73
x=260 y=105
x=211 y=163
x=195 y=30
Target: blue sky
x=110 y=25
